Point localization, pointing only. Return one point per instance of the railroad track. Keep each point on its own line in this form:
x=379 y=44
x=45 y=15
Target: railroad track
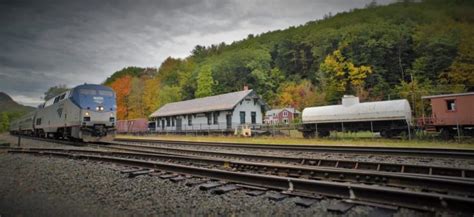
x=306 y=183
x=313 y=162
x=420 y=152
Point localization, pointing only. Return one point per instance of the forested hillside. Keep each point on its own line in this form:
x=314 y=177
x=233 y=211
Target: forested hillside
x=403 y=50
x=10 y=110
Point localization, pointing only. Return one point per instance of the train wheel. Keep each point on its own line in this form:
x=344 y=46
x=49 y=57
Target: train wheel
x=446 y=134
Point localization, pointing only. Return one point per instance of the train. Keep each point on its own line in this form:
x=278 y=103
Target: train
x=86 y=112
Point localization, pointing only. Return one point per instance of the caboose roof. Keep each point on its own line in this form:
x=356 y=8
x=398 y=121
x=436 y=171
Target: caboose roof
x=206 y=104
x=448 y=95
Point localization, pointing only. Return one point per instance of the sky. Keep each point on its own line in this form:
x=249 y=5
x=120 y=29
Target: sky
x=44 y=43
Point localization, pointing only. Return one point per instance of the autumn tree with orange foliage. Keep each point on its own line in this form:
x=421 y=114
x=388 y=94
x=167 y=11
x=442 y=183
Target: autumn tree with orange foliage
x=122 y=87
x=298 y=95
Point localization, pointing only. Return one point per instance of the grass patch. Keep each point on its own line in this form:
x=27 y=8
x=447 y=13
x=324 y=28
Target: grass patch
x=362 y=139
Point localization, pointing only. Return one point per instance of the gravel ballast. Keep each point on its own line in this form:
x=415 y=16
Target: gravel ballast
x=44 y=186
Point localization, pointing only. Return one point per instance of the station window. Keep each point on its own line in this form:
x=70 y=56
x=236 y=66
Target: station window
x=285 y=114
x=168 y=121
x=209 y=118
x=216 y=116
x=242 y=117
x=253 y=115
x=451 y=105
x=190 y=120
x=172 y=121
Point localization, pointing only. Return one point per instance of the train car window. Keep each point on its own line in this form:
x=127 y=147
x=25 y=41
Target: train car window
x=38 y=121
x=451 y=105
x=87 y=92
x=56 y=100
x=106 y=93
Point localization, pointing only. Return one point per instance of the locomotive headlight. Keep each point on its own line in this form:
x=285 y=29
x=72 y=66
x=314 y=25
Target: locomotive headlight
x=86 y=114
x=97 y=108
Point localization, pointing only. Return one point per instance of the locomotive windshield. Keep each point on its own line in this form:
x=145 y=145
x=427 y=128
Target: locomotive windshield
x=92 y=96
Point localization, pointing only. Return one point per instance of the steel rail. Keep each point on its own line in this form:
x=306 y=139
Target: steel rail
x=318 y=162
x=434 y=184
x=356 y=192
x=424 y=152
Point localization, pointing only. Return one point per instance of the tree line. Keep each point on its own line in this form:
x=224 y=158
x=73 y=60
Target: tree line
x=403 y=50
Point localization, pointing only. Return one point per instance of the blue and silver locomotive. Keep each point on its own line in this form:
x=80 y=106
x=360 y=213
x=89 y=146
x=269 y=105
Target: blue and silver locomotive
x=86 y=112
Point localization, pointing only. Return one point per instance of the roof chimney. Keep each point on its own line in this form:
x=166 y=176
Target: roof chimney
x=246 y=87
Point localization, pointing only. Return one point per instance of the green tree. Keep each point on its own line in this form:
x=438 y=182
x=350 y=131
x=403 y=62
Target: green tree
x=54 y=91
x=4 y=122
x=342 y=76
x=205 y=82
x=413 y=91
x=169 y=94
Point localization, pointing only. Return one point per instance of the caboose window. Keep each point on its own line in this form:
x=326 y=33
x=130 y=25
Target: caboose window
x=451 y=105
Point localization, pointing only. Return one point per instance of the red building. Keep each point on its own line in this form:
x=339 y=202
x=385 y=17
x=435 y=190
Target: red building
x=281 y=116
x=451 y=112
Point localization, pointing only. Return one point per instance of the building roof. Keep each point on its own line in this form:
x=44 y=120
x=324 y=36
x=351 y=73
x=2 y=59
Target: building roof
x=206 y=104
x=448 y=95
x=277 y=111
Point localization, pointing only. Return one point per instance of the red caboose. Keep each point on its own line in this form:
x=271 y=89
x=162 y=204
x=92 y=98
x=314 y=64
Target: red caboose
x=451 y=114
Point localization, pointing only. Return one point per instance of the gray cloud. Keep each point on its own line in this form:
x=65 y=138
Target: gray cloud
x=51 y=42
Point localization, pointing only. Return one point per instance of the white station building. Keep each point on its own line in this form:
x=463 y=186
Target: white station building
x=219 y=113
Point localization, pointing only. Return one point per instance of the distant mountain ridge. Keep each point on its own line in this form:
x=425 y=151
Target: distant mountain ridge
x=7 y=104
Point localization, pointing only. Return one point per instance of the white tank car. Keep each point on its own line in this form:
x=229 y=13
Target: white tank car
x=390 y=118
x=86 y=112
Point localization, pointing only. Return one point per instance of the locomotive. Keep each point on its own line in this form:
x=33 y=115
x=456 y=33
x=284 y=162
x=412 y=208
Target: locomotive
x=86 y=112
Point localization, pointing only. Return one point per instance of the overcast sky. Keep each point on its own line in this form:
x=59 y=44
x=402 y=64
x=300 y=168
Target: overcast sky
x=45 y=43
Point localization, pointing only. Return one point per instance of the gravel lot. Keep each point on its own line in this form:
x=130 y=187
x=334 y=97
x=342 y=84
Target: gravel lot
x=43 y=186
